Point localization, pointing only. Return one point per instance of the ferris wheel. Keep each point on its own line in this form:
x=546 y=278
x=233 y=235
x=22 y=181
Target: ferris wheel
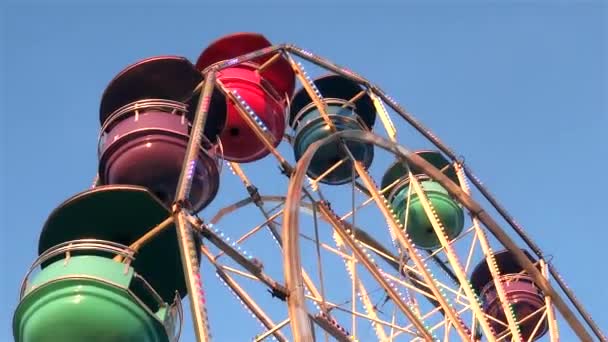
x=357 y=223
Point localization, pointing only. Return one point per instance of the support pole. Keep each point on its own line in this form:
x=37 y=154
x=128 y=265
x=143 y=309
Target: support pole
x=187 y=247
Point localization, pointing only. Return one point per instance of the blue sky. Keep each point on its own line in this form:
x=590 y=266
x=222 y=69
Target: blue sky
x=519 y=88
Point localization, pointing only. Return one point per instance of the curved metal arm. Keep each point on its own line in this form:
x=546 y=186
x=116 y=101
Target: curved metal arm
x=473 y=207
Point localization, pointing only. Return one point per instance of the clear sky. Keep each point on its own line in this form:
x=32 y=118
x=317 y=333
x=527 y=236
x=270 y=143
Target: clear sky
x=518 y=87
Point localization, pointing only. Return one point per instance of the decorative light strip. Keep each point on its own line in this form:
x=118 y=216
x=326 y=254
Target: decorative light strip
x=232 y=244
x=250 y=112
